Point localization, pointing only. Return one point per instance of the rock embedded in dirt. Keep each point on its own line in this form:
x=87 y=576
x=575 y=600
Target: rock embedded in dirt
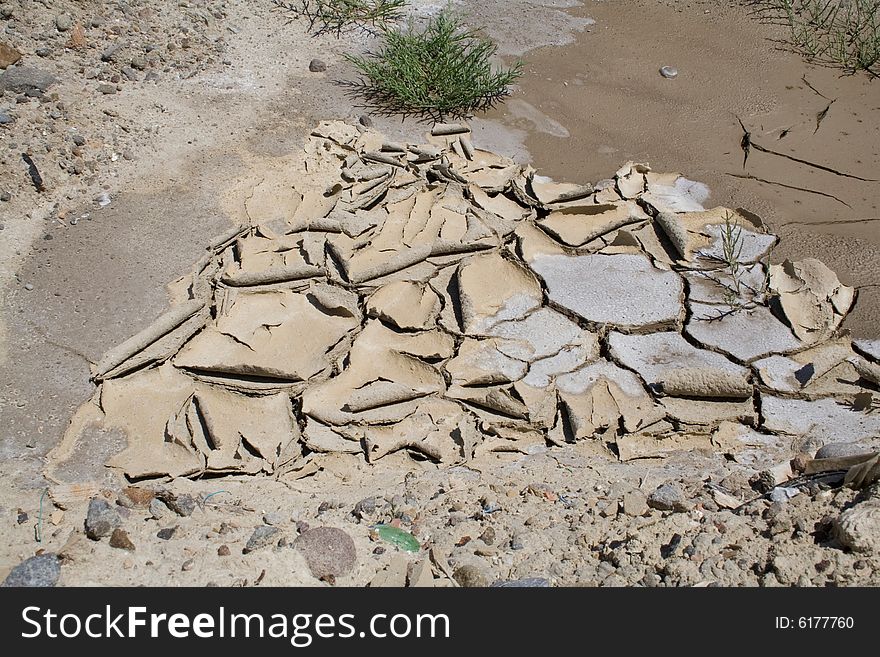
x=107 y=89
x=223 y=551
x=669 y=72
x=8 y=55
x=159 y=510
x=120 y=539
x=21 y=79
x=167 y=533
x=275 y=518
x=183 y=504
x=42 y=570
x=858 y=528
x=101 y=519
x=525 y=583
x=134 y=497
x=470 y=576
x=634 y=503
x=838 y=450
x=668 y=497
x=329 y=551
x=365 y=508
x=261 y=537
x=63 y=22
x=317 y=66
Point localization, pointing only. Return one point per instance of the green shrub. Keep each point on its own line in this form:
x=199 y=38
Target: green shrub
x=338 y=16
x=442 y=70
x=844 y=33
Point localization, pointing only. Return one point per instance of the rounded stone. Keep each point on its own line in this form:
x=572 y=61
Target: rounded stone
x=317 y=66
x=669 y=72
x=329 y=551
x=840 y=450
x=858 y=528
x=470 y=576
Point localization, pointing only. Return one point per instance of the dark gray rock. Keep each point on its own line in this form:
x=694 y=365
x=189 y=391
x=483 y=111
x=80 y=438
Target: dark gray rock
x=22 y=78
x=101 y=519
x=182 y=505
x=365 y=121
x=526 y=582
x=113 y=53
x=366 y=507
x=5 y=118
x=263 y=536
x=167 y=533
x=41 y=570
x=43 y=52
x=107 y=89
x=329 y=551
x=317 y=66
x=668 y=497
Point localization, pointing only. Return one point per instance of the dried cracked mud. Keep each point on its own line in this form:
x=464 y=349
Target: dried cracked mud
x=412 y=360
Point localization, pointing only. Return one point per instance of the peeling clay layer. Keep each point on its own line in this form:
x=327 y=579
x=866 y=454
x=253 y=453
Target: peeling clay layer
x=441 y=299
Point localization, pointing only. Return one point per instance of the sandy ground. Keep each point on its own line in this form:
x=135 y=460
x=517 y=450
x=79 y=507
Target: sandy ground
x=591 y=99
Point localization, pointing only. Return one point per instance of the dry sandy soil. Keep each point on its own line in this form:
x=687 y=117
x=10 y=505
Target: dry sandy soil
x=222 y=98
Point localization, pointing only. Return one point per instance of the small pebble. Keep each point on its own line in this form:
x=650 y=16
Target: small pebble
x=119 y=539
x=189 y=564
x=317 y=66
x=63 y=22
x=167 y=533
x=101 y=519
x=262 y=536
x=275 y=518
x=668 y=72
x=159 y=510
x=223 y=551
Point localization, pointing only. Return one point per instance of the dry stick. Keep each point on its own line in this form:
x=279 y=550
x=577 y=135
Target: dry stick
x=745 y=143
x=867 y=220
x=821 y=115
x=34 y=173
x=749 y=176
x=807 y=82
